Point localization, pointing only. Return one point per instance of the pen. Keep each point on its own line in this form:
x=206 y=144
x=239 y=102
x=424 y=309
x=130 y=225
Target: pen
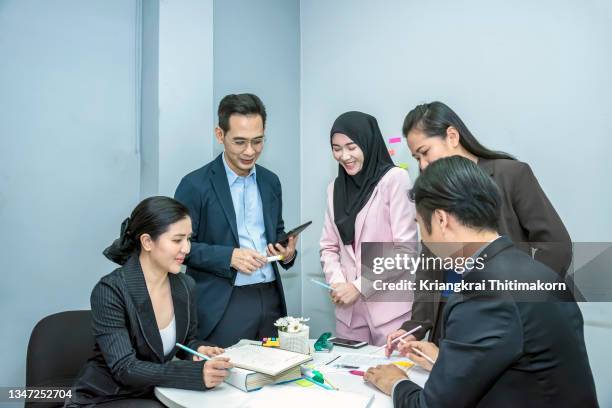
x=357 y=372
x=346 y=366
x=397 y=339
x=195 y=353
x=325 y=285
x=332 y=385
x=274 y=258
x=425 y=356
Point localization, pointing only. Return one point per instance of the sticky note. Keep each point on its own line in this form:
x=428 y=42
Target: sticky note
x=395 y=140
x=403 y=166
x=392 y=152
x=304 y=383
x=405 y=364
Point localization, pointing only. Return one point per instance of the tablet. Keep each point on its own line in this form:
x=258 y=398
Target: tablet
x=284 y=238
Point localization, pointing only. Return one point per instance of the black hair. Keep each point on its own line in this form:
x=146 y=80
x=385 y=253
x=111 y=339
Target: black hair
x=241 y=104
x=458 y=186
x=152 y=216
x=435 y=118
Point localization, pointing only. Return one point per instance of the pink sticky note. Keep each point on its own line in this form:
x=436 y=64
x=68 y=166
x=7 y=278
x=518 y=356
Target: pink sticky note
x=392 y=152
x=395 y=139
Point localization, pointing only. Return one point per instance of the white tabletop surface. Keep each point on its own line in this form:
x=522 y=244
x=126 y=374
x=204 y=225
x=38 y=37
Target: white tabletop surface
x=227 y=396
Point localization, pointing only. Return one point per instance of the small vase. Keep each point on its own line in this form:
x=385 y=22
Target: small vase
x=297 y=342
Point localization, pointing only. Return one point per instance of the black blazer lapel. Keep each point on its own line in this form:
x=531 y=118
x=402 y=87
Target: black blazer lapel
x=137 y=288
x=221 y=187
x=269 y=203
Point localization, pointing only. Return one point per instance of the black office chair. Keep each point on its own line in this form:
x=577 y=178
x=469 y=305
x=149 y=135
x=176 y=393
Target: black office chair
x=59 y=346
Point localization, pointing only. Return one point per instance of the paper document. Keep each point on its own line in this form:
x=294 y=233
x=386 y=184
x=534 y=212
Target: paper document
x=365 y=361
x=292 y=395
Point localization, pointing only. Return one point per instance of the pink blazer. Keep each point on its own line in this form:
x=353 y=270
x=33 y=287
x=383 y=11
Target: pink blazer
x=388 y=216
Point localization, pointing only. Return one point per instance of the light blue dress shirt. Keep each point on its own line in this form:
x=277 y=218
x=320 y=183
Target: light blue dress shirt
x=249 y=219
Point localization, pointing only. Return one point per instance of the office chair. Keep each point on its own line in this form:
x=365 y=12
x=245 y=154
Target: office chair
x=59 y=346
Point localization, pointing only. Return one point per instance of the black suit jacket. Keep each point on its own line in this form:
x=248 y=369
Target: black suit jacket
x=526 y=216
x=498 y=352
x=215 y=235
x=128 y=360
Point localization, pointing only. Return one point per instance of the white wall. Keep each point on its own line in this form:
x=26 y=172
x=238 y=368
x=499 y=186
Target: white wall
x=69 y=166
x=185 y=89
x=529 y=78
x=257 y=50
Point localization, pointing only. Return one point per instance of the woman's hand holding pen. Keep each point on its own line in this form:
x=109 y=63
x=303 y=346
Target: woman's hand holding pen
x=215 y=371
x=421 y=352
x=208 y=351
x=344 y=293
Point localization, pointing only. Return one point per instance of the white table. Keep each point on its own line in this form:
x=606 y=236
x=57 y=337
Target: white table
x=227 y=396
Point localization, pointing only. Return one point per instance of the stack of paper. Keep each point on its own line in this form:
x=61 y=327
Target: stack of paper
x=247 y=380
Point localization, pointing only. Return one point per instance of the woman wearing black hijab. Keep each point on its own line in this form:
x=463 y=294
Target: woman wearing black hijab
x=367 y=202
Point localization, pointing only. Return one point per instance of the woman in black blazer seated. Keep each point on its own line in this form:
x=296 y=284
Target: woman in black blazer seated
x=141 y=310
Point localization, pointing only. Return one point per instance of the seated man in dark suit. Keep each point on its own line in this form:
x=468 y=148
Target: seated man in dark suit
x=236 y=209
x=498 y=348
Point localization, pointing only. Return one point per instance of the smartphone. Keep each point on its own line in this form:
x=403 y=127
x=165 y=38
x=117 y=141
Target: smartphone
x=348 y=343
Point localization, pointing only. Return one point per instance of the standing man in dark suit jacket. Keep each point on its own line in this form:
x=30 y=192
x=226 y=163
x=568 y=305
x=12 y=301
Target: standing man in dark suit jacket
x=497 y=348
x=236 y=208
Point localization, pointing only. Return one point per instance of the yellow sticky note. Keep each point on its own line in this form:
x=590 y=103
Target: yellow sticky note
x=304 y=383
x=404 y=364
x=403 y=166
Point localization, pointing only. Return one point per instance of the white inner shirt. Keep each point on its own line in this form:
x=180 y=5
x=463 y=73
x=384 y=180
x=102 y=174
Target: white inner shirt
x=168 y=336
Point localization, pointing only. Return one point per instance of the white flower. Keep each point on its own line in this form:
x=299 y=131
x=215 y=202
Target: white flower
x=294 y=327
x=281 y=322
x=291 y=324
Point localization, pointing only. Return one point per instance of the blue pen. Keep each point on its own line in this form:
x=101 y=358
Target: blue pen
x=195 y=353
x=326 y=286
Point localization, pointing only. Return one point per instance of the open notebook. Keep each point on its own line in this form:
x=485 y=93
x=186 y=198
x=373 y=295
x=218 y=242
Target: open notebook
x=264 y=360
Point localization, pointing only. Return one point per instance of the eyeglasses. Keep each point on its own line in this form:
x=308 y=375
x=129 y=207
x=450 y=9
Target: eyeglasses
x=241 y=144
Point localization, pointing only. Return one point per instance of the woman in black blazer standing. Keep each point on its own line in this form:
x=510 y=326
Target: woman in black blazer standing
x=141 y=310
x=433 y=131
